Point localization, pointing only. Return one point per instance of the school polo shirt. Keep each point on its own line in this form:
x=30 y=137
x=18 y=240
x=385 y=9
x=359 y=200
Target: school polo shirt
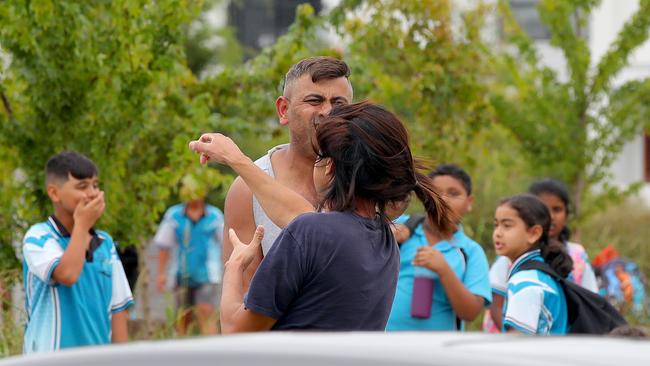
x=472 y=271
x=535 y=303
x=196 y=246
x=61 y=316
x=582 y=273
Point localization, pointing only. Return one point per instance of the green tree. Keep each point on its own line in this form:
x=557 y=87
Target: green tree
x=107 y=79
x=426 y=61
x=573 y=129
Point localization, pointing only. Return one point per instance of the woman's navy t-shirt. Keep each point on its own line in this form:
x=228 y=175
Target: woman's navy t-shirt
x=328 y=271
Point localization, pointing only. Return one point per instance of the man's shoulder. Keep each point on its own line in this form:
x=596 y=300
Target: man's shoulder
x=264 y=161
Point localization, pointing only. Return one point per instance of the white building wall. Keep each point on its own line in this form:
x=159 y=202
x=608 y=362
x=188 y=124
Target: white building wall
x=606 y=22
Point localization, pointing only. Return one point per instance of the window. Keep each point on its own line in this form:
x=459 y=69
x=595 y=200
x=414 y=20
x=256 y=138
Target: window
x=525 y=11
x=259 y=23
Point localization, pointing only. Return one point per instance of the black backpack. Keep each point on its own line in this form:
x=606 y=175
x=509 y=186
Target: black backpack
x=588 y=312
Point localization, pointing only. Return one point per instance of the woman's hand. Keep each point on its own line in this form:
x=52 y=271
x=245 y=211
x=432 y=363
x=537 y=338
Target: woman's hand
x=243 y=254
x=218 y=148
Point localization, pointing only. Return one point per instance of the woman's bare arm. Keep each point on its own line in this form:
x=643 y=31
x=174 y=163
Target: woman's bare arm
x=280 y=203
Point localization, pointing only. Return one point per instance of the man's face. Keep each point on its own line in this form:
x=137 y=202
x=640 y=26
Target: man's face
x=69 y=193
x=305 y=102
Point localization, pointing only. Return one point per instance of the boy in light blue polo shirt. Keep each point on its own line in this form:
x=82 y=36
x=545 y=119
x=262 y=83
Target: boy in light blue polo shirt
x=461 y=284
x=76 y=292
x=189 y=242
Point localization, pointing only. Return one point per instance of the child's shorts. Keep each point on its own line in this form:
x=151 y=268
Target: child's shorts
x=208 y=293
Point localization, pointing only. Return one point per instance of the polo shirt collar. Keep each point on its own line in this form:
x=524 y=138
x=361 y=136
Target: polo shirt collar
x=523 y=258
x=443 y=245
x=95 y=241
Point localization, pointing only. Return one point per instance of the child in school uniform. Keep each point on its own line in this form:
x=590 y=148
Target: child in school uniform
x=535 y=302
x=556 y=197
x=76 y=292
x=458 y=264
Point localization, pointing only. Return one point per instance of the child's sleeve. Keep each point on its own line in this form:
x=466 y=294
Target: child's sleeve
x=499 y=276
x=218 y=235
x=121 y=297
x=42 y=253
x=523 y=308
x=165 y=237
x=589 y=278
x=476 y=275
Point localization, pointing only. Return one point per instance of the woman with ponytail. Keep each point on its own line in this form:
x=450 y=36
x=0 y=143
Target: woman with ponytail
x=555 y=196
x=535 y=302
x=334 y=267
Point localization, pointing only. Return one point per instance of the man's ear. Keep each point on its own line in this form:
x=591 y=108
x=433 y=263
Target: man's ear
x=329 y=168
x=53 y=192
x=534 y=233
x=282 y=109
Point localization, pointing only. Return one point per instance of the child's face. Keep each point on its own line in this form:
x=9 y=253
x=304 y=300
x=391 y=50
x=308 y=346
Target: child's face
x=68 y=194
x=558 y=212
x=511 y=236
x=454 y=194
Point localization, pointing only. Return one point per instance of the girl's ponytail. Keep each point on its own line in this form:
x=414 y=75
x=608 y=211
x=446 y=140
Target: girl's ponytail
x=555 y=254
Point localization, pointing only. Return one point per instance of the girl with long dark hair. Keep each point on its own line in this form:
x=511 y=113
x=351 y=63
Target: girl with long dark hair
x=535 y=301
x=555 y=196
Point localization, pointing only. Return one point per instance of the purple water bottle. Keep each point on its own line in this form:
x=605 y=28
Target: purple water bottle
x=422 y=297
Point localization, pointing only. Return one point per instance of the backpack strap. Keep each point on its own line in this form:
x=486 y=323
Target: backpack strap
x=540 y=266
x=413 y=222
x=459 y=321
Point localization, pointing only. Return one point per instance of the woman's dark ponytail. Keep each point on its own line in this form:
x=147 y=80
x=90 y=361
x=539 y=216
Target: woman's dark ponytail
x=438 y=212
x=533 y=212
x=369 y=151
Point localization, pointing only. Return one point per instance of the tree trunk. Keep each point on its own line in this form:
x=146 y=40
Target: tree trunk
x=143 y=288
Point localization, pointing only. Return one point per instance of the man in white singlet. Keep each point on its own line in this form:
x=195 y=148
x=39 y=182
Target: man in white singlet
x=312 y=87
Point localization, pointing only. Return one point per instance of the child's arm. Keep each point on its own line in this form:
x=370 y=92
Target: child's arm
x=466 y=305
x=121 y=299
x=496 y=310
x=119 y=327
x=85 y=215
x=163 y=258
x=280 y=203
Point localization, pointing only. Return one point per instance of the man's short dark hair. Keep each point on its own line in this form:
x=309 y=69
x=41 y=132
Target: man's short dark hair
x=61 y=165
x=319 y=68
x=456 y=172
